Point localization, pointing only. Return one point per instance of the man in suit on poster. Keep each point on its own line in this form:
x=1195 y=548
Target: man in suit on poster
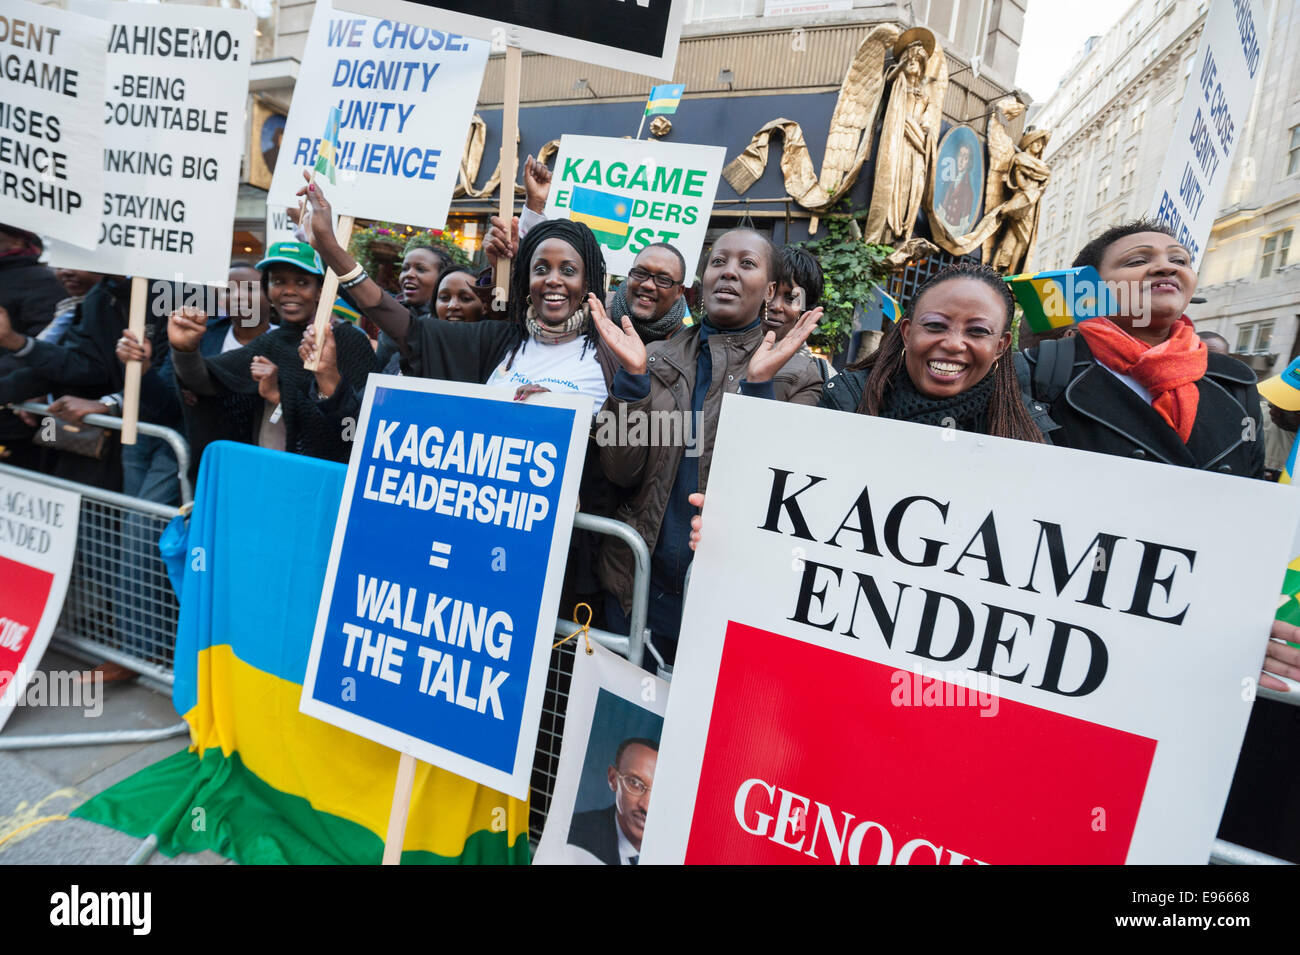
x=613 y=834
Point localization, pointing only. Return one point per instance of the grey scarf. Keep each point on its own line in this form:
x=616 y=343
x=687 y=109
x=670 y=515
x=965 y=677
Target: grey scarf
x=655 y=331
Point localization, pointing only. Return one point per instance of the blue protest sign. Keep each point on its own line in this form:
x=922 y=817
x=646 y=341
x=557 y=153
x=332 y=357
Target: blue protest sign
x=437 y=615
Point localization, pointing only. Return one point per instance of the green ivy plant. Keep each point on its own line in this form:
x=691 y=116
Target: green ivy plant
x=850 y=269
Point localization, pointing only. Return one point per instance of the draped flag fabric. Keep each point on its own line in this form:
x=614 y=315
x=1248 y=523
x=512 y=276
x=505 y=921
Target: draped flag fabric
x=1052 y=300
x=262 y=783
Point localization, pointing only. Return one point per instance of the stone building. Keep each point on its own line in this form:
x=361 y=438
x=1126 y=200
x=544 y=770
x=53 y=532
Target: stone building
x=1112 y=117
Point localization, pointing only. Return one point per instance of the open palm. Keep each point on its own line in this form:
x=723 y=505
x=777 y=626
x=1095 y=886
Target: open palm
x=772 y=355
x=624 y=342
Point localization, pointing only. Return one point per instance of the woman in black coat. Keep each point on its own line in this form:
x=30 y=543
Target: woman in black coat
x=1152 y=372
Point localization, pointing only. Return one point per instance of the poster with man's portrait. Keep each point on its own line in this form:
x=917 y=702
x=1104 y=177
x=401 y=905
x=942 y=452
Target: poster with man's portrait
x=607 y=764
x=958 y=182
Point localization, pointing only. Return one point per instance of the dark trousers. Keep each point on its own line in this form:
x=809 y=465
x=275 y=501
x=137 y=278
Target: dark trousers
x=663 y=618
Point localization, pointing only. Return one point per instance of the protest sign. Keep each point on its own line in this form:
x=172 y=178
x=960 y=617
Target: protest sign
x=173 y=127
x=279 y=227
x=639 y=36
x=441 y=592
x=406 y=96
x=51 y=129
x=1210 y=121
x=38 y=537
x=981 y=650
x=612 y=725
x=633 y=193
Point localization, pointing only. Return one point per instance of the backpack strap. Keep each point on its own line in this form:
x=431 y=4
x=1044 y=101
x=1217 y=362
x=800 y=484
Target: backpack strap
x=1053 y=369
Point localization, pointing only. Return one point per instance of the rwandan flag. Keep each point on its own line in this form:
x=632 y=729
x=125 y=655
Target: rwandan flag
x=664 y=99
x=261 y=782
x=1052 y=300
x=607 y=214
x=329 y=145
x=888 y=307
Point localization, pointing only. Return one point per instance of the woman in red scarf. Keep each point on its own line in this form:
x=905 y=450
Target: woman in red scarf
x=1141 y=384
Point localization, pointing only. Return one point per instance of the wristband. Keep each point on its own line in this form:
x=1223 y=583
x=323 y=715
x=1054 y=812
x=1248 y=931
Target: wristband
x=114 y=404
x=352 y=283
x=356 y=273
x=27 y=347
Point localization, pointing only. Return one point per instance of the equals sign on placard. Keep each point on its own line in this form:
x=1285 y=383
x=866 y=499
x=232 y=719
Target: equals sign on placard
x=439 y=556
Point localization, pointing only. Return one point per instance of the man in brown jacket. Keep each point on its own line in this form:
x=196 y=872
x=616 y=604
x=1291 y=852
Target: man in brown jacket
x=675 y=388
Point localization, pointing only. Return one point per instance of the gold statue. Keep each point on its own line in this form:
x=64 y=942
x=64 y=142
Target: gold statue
x=472 y=158
x=847 y=145
x=1016 y=180
x=909 y=137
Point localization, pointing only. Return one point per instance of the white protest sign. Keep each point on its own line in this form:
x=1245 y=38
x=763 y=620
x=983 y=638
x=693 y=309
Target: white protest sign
x=38 y=537
x=406 y=95
x=279 y=227
x=443 y=584
x=636 y=192
x=173 y=141
x=640 y=36
x=613 y=722
x=1210 y=121
x=51 y=121
x=968 y=649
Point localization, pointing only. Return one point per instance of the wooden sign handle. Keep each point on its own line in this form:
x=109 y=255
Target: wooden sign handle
x=330 y=289
x=509 y=159
x=401 y=806
x=134 y=369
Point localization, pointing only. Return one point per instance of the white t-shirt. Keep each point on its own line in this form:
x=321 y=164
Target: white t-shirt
x=230 y=342
x=561 y=368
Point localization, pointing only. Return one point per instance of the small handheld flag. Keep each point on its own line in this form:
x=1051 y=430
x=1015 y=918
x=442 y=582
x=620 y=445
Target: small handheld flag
x=888 y=307
x=664 y=99
x=329 y=145
x=1060 y=298
x=607 y=214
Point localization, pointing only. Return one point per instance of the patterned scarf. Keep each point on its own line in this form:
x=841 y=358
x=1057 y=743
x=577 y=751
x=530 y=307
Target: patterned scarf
x=967 y=411
x=557 y=334
x=652 y=331
x=1169 y=370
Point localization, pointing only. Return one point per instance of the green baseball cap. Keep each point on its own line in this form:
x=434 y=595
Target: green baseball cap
x=298 y=254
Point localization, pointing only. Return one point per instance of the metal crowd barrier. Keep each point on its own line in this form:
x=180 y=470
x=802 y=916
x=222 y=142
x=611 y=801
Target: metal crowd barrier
x=120 y=605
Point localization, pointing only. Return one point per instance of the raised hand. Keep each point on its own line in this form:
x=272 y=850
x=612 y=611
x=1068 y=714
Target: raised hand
x=772 y=355
x=624 y=342
x=327 y=368
x=267 y=375
x=186 y=328
x=129 y=349
x=315 y=217
x=496 y=245
x=537 y=184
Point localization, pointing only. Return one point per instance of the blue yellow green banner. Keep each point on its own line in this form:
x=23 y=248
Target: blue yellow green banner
x=607 y=214
x=1059 y=298
x=261 y=782
x=664 y=99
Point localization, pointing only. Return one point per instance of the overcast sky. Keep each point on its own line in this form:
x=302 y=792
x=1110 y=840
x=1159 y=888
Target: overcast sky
x=1055 y=31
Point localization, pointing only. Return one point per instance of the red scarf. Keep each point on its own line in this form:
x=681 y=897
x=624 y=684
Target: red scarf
x=1169 y=370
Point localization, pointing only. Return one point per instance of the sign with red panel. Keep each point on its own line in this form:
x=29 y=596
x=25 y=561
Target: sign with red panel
x=906 y=644
x=38 y=537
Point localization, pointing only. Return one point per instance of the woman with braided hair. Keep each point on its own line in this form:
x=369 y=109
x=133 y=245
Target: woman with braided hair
x=946 y=363
x=546 y=343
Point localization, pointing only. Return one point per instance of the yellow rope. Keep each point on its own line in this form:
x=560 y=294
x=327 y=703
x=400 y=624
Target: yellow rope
x=585 y=625
x=34 y=822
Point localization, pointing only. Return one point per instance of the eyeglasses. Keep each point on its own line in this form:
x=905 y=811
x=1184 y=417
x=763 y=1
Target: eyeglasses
x=639 y=275
x=633 y=785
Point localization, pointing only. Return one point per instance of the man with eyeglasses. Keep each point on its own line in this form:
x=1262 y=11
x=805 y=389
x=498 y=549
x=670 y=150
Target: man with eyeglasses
x=613 y=834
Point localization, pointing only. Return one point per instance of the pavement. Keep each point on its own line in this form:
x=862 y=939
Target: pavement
x=39 y=787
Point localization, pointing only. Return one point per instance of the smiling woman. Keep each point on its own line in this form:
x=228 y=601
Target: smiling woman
x=946 y=362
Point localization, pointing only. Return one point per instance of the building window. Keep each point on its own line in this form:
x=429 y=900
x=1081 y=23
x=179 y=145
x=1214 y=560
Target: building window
x=1277 y=249
x=1130 y=171
x=1293 y=156
x=1255 y=338
x=720 y=9
x=1139 y=116
x=1103 y=187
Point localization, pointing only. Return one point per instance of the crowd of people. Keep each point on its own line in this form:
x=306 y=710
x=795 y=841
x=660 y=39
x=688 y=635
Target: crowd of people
x=1140 y=384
